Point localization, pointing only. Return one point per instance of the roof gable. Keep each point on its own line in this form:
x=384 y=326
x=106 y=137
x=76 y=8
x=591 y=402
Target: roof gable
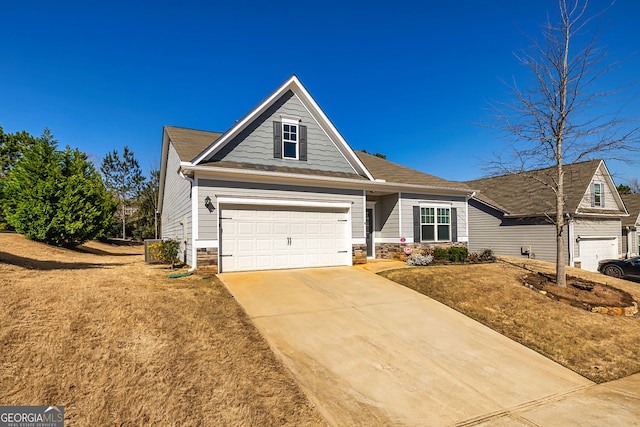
x=255 y=144
x=528 y=193
x=190 y=142
x=632 y=203
x=612 y=200
x=293 y=86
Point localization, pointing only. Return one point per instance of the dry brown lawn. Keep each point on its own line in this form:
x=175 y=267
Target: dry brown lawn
x=118 y=343
x=598 y=346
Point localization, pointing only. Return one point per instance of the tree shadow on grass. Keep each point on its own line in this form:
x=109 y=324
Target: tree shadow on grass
x=95 y=251
x=34 y=264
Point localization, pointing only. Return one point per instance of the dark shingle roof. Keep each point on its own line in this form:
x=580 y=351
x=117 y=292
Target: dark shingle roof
x=632 y=202
x=282 y=169
x=189 y=143
x=395 y=173
x=526 y=193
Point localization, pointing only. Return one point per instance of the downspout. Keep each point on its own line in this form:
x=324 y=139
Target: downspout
x=571 y=239
x=194 y=259
x=466 y=218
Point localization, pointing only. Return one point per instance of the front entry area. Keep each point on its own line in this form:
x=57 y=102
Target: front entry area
x=278 y=237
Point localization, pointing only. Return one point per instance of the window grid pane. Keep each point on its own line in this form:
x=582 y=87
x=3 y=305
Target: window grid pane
x=427 y=216
x=289 y=141
x=443 y=216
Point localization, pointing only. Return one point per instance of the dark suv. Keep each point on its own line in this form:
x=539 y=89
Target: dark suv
x=621 y=268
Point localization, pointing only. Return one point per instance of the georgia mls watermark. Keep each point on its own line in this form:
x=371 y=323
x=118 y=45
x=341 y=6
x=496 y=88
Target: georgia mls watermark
x=31 y=416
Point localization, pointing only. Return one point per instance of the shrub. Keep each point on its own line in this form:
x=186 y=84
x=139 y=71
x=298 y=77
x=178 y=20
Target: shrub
x=458 y=253
x=452 y=254
x=441 y=254
x=487 y=255
x=418 y=259
x=165 y=251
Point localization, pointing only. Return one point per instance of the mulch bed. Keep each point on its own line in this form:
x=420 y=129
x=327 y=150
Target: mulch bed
x=586 y=294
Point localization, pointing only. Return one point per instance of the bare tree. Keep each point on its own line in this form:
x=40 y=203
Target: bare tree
x=563 y=118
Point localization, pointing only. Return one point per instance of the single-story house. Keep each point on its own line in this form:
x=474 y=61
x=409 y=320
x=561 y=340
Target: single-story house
x=630 y=225
x=281 y=188
x=511 y=214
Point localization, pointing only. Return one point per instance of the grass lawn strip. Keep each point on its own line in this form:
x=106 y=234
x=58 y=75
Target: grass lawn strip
x=600 y=347
x=118 y=343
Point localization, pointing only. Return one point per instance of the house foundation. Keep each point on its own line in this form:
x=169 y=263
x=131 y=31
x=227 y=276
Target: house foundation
x=207 y=260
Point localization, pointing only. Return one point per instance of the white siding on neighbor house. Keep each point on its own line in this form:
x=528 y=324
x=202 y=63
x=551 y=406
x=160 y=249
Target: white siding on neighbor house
x=408 y=201
x=255 y=144
x=176 y=206
x=610 y=202
x=488 y=230
x=207 y=221
x=586 y=227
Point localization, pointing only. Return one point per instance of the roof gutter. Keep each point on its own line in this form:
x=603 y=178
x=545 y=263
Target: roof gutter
x=244 y=175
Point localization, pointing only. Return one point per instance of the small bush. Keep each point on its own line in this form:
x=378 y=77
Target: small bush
x=441 y=254
x=458 y=253
x=418 y=259
x=165 y=251
x=486 y=255
x=451 y=254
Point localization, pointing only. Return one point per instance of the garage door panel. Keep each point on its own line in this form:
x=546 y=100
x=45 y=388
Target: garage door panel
x=597 y=249
x=255 y=238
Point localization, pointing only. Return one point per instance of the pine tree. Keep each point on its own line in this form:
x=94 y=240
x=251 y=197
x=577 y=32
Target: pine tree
x=124 y=178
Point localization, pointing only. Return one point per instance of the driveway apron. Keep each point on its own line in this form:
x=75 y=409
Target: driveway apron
x=370 y=352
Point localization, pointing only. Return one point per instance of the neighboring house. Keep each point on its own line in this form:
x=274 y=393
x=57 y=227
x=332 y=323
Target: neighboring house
x=283 y=189
x=511 y=215
x=630 y=224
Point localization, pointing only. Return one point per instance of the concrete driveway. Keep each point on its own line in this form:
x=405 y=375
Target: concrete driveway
x=370 y=352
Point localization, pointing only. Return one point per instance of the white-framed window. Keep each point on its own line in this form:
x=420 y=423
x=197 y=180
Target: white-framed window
x=435 y=224
x=598 y=196
x=290 y=139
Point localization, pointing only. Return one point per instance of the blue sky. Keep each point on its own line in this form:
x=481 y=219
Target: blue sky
x=411 y=79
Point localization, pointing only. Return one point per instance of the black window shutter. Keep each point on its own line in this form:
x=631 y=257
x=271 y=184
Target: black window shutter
x=277 y=140
x=454 y=225
x=416 y=224
x=602 y=195
x=302 y=154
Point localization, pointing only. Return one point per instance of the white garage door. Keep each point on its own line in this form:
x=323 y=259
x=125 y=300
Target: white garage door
x=274 y=237
x=597 y=249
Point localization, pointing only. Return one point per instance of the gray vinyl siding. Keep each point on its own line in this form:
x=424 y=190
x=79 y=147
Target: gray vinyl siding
x=387 y=216
x=207 y=222
x=255 y=144
x=488 y=230
x=597 y=227
x=407 y=201
x=176 y=205
x=610 y=202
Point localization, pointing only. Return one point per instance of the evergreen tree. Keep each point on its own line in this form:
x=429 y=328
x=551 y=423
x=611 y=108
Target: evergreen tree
x=124 y=178
x=146 y=217
x=56 y=197
x=12 y=146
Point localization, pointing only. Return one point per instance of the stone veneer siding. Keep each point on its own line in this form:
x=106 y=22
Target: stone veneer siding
x=359 y=254
x=207 y=260
x=395 y=251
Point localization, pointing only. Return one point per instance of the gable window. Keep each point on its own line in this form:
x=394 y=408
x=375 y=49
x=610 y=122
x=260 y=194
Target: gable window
x=597 y=195
x=289 y=140
x=435 y=224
